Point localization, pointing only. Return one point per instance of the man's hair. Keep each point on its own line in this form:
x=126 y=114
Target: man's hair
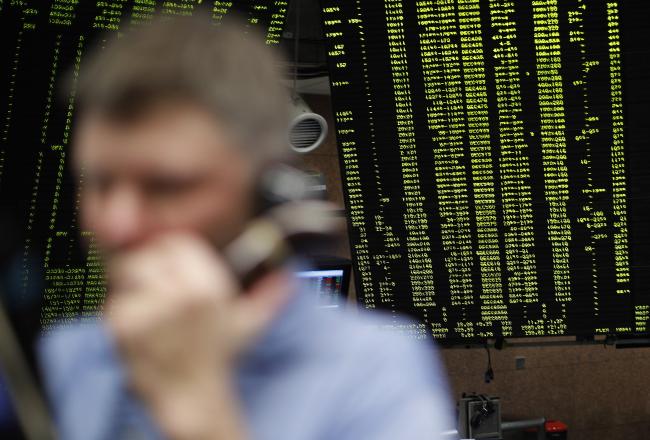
x=227 y=69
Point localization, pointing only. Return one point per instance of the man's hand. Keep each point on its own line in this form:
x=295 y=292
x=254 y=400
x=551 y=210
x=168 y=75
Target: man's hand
x=180 y=321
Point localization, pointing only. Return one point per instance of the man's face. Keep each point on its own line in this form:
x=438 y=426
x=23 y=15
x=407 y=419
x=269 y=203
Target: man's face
x=172 y=169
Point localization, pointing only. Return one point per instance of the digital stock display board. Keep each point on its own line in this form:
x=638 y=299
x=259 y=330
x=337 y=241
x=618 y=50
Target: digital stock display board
x=494 y=156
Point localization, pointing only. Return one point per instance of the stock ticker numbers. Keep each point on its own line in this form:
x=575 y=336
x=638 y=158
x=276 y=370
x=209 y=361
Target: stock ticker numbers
x=42 y=41
x=492 y=157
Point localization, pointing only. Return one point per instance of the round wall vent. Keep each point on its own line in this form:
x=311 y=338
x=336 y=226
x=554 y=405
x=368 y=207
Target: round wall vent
x=307 y=130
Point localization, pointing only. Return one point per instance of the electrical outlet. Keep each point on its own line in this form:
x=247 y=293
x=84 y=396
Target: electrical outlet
x=520 y=363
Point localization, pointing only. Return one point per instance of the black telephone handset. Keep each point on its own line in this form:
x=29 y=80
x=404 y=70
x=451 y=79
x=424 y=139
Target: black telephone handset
x=288 y=225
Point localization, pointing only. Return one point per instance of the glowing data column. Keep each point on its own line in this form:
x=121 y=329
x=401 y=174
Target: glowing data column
x=514 y=161
x=63 y=297
x=49 y=100
x=388 y=249
x=592 y=217
x=95 y=283
x=554 y=151
x=220 y=9
x=277 y=13
x=142 y=12
x=350 y=147
x=63 y=12
x=179 y=7
x=415 y=219
x=619 y=190
x=11 y=89
x=109 y=15
x=443 y=84
x=493 y=306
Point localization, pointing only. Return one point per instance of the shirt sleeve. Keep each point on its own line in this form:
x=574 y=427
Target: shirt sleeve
x=86 y=385
x=398 y=391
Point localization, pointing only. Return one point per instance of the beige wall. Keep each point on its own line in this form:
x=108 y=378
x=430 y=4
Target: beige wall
x=601 y=393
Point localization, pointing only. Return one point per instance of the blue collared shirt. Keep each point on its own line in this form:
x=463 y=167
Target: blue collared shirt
x=315 y=374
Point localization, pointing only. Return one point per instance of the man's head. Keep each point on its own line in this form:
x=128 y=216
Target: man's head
x=175 y=120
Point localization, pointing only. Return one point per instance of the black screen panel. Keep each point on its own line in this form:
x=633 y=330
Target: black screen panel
x=494 y=157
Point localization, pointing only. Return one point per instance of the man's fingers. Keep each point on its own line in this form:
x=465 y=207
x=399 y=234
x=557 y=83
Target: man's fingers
x=197 y=264
x=125 y=315
x=173 y=260
x=132 y=271
x=178 y=289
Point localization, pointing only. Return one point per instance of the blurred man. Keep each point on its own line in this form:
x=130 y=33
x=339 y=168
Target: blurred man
x=175 y=123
